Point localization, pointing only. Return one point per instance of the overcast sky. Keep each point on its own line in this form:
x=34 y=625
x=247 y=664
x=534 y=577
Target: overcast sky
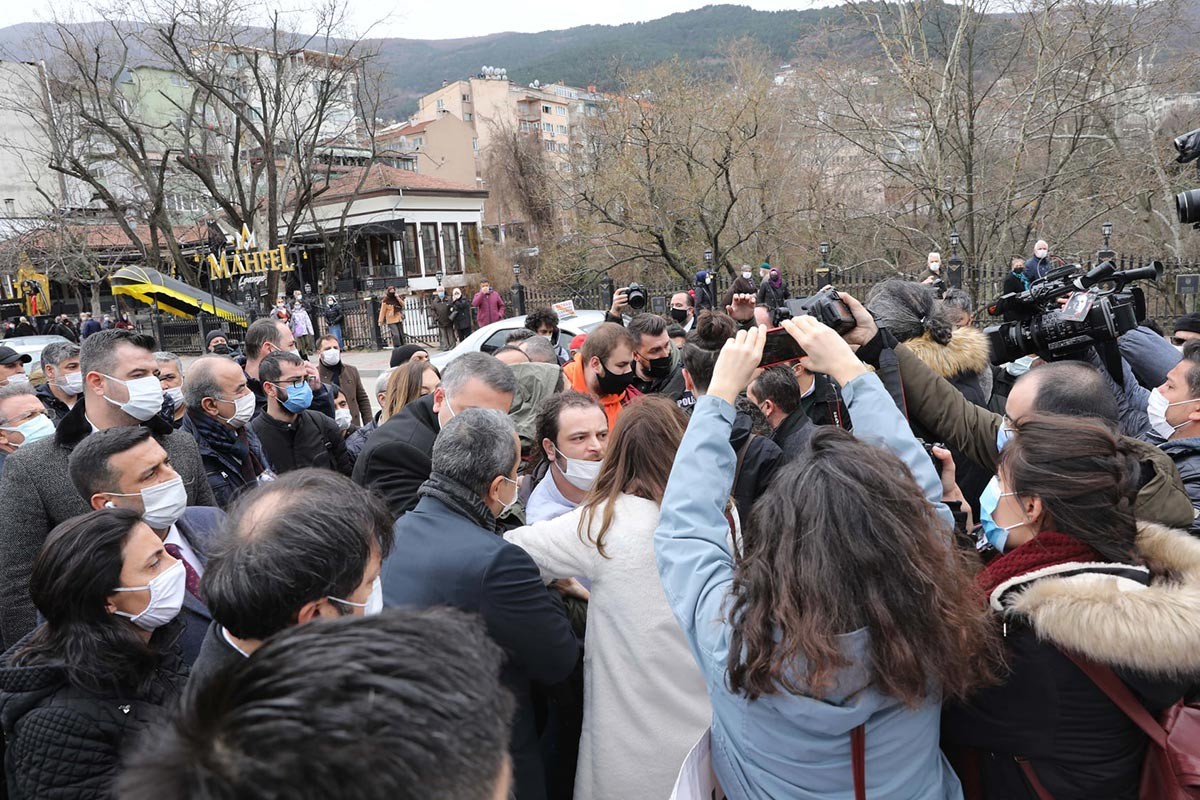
x=452 y=19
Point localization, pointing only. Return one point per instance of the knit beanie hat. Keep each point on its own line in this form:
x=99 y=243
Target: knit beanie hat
x=403 y=353
x=1189 y=322
x=208 y=340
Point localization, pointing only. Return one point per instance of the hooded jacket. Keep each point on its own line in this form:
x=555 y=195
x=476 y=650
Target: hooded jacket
x=55 y=409
x=535 y=382
x=1144 y=624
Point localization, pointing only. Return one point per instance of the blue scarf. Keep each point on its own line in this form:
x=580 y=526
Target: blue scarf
x=241 y=446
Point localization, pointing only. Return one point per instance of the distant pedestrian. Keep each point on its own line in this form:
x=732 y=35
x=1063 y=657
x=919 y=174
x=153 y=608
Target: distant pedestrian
x=391 y=316
x=489 y=305
x=90 y=325
x=302 y=328
x=439 y=309
x=772 y=292
x=1039 y=263
x=460 y=314
x=333 y=319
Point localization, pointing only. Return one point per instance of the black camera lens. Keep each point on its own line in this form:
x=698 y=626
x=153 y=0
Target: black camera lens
x=637 y=297
x=1187 y=206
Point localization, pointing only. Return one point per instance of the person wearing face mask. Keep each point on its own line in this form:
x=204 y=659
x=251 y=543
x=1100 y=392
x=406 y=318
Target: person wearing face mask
x=23 y=419
x=572 y=437
x=656 y=360
x=772 y=292
x=36 y=493
x=447 y=553
x=170 y=377
x=683 y=309
x=743 y=284
x=933 y=268
x=391 y=316
x=1080 y=578
x=265 y=336
x=640 y=721
x=76 y=692
x=12 y=366
x=127 y=468
x=604 y=368
x=293 y=436
x=305 y=547
x=220 y=406
x=778 y=395
x=334 y=319
x=217 y=343
x=396 y=459
x=439 y=313
x=544 y=323
x=460 y=314
x=341 y=414
x=64 y=381
x=1039 y=263
x=334 y=371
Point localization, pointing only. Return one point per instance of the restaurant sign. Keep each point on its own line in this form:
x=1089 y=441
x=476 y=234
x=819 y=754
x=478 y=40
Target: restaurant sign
x=248 y=259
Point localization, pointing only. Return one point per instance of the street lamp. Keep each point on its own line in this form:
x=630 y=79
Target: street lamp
x=1106 y=229
x=954 y=275
x=518 y=289
x=954 y=240
x=516 y=273
x=438 y=275
x=823 y=271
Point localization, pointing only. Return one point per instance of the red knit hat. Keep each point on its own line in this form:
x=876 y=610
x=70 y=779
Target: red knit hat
x=577 y=342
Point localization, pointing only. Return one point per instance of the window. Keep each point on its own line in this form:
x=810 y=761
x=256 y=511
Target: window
x=441 y=104
x=546 y=110
x=381 y=255
x=408 y=251
x=10 y=205
x=467 y=117
x=496 y=340
x=429 y=247
x=466 y=98
x=548 y=146
x=475 y=145
x=561 y=129
x=563 y=147
x=419 y=141
x=548 y=127
x=450 y=247
x=524 y=127
x=470 y=240
x=560 y=110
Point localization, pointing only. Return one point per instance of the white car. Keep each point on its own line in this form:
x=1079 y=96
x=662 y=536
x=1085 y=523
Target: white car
x=491 y=338
x=31 y=346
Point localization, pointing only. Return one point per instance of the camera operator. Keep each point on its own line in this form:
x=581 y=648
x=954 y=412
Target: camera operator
x=1186 y=327
x=657 y=362
x=1067 y=388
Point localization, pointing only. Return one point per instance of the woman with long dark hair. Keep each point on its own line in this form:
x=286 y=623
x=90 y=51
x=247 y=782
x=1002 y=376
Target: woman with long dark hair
x=1079 y=578
x=101 y=667
x=645 y=704
x=849 y=613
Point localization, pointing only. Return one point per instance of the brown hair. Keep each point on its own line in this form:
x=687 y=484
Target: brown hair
x=1086 y=476
x=604 y=339
x=404 y=386
x=641 y=449
x=844 y=540
x=704 y=343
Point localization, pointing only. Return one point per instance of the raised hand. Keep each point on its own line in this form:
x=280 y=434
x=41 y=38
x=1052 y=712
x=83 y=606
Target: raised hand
x=736 y=364
x=826 y=351
x=743 y=307
x=865 y=327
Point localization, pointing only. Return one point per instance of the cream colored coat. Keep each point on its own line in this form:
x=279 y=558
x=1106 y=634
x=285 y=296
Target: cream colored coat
x=644 y=701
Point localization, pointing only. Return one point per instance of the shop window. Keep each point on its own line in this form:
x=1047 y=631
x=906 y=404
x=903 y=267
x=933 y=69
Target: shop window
x=470 y=240
x=429 y=245
x=450 y=247
x=412 y=265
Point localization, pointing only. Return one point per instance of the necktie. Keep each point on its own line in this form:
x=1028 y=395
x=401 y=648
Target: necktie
x=193 y=577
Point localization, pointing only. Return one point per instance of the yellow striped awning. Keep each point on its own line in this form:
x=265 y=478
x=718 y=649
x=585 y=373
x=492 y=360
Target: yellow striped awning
x=173 y=296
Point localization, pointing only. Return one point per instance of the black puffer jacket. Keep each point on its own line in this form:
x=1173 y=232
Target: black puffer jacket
x=758 y=458
x=65 y=743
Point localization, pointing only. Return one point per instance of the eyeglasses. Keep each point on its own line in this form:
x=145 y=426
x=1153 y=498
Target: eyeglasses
x=295 y=383
x=21 y=419
x=1178 y=342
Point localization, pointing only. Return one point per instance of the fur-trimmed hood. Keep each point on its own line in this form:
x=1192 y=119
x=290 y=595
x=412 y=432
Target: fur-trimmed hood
x=1117 y=619
x=968 y=352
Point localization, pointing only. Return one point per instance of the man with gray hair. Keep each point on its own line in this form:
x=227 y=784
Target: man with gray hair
x=959 y=308
x=447 y=553
x=539 y=351
x=64 y=381
x=397 y=457
x=356 y=441
x=170 y=378
x=23 y=420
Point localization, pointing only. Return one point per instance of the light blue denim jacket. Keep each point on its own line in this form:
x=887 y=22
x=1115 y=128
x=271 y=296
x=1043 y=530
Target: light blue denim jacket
x=786 y=745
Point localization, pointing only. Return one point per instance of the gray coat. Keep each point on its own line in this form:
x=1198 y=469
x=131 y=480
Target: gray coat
x=36 y=494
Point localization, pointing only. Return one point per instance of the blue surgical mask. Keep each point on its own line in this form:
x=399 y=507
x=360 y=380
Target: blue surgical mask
x=996 y=535
x=1003 y=434
x=36 y=427
x=296 y=400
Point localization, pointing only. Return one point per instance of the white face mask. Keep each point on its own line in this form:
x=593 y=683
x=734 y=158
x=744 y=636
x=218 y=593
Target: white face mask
x=935 y=266
x=33 y=429
x=331 y=357
x=145 y=397
x=1156 y=410
x=746 y=274
x=374 y=603
x=579 y=473
x=71 y=383
x=1040 y=252
x=516 y=496
x=176 y=395
x=164 y=503
x=342 y=417
x=243 y=410
x=166 y=598
x=18 y=378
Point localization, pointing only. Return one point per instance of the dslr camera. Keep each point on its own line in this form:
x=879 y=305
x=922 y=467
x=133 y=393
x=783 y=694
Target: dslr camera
x=825 y=306
x=1187 y=204
x=637 y=296
x=1100 y=309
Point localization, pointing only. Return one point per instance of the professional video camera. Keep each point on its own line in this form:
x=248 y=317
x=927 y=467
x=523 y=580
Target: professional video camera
x=826 y=306
x=1187 y=204
x=1099 y=309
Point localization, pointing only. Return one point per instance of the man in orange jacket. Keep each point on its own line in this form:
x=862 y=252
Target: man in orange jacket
x=604 y=369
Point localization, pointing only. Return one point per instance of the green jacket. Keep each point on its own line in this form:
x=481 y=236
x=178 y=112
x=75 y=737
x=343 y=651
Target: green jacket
x=934 y=403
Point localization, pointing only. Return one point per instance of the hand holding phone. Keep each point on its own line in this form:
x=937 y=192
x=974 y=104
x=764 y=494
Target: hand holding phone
x=780 y=348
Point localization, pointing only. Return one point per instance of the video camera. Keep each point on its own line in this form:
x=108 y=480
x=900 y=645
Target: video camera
x=825 y=306
x=1187 y=204
x=1099 y=310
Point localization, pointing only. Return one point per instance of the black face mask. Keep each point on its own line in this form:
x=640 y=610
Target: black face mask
x=614 y=384
x=679 y=315
x=659 y=367
x=221 y=349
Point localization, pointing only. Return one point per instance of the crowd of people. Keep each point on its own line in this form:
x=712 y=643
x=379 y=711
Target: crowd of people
x=885 y=568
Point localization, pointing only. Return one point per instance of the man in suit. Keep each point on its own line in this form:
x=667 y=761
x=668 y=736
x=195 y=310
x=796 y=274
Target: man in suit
x=306 y=546
x=396 y=458
x=447 y=552
x=127 y=468
x=120 y=389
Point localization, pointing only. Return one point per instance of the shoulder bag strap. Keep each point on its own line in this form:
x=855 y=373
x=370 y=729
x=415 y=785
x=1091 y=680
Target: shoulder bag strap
x=1122 y=697
x=858 y=761
x=1034 y=782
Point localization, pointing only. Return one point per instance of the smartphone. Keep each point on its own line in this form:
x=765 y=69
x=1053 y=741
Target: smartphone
x=780 y=348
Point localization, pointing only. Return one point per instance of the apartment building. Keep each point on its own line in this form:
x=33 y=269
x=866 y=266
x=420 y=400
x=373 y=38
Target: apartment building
x=443 y=147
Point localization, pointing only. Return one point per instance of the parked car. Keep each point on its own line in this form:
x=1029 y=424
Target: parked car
x=491 y=338
x=31 y=346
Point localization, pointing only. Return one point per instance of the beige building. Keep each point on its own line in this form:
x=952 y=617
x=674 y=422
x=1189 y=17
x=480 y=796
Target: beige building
x=443 y=147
